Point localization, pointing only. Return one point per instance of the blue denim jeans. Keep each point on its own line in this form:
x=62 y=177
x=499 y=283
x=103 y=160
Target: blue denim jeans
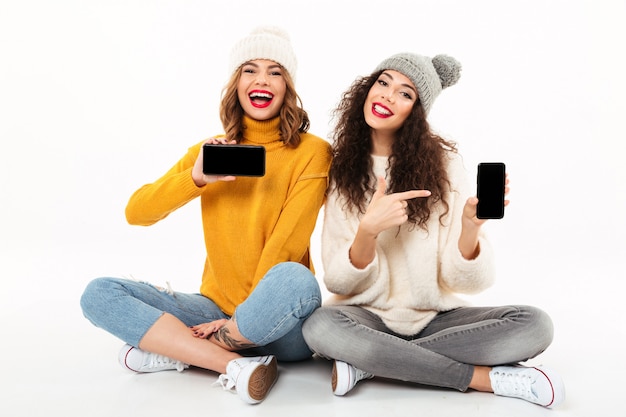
x=271 y=317
x=443 y=354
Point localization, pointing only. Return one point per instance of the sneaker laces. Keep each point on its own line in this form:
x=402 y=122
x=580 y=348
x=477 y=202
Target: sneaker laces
x=362 y=375
x=227 y=383
x=514 y=384
x=160 y=361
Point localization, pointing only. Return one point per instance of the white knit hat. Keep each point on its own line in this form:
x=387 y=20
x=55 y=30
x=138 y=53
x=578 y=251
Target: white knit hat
x=264 y=42
x=429 y=76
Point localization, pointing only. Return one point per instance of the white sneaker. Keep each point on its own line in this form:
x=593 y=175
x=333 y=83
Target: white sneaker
x=139 y=360
x=345 y=377
x=251 y=377
x=538 y=385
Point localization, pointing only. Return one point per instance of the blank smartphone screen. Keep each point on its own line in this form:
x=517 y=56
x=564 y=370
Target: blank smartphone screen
x=238 y=160
x=490 y=190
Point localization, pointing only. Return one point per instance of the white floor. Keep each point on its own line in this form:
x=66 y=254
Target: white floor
x=56 y=363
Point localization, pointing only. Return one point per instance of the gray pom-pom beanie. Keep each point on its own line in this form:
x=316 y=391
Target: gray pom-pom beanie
x=429 y=75
x=264 y=42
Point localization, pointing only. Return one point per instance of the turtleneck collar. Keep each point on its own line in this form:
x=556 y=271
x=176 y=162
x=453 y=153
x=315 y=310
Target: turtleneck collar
x=261 y=132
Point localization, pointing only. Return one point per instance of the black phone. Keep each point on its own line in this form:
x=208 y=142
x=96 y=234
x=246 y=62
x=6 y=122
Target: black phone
x=491 y=180
x=237 y=160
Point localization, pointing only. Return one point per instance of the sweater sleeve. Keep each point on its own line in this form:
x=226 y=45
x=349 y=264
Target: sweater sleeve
x=290 y=239
x=458 y=274
x=155 y=201
x=341 y=277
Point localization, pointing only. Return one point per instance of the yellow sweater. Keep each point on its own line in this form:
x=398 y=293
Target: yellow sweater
x=250 y=224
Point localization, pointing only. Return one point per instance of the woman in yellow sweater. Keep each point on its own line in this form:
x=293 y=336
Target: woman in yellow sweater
x=258 y=284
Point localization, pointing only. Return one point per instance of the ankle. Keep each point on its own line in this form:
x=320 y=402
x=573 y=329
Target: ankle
x=481 y=381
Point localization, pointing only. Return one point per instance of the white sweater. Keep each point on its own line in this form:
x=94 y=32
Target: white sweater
x=415 y=274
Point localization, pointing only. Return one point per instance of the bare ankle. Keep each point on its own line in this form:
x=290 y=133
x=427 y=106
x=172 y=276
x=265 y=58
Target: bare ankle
x=481 y=380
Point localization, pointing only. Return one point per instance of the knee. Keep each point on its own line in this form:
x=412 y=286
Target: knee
x=90 y=293
x=544 y=327
x=298 y=279
x=540 y=328
x=93 y=298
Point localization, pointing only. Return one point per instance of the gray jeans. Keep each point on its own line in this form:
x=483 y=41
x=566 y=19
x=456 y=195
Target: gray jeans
x=443 y=354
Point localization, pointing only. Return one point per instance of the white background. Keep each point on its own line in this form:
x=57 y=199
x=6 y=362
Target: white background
x=99 y=97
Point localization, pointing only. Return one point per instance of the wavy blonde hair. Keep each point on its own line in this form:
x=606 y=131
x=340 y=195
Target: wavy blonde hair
x=293 y=118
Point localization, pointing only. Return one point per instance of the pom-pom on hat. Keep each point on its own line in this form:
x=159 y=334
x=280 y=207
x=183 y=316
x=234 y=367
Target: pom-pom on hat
x=264 y=42
x=429 y=75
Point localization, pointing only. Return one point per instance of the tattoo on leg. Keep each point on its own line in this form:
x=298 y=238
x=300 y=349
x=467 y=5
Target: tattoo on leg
x=223 y=336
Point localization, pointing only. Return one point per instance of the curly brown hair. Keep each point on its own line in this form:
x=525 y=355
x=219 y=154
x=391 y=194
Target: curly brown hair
x=417 y=162
x=294 y=119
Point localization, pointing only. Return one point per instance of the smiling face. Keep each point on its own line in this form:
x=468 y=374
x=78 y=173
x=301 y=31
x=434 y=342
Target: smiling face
x=261 y=89
x=389 y=102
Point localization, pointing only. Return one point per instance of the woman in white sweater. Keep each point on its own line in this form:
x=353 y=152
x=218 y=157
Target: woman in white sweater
x=401 y=239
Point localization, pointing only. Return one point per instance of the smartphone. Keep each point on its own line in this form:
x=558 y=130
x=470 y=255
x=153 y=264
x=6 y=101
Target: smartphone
x=237 y=160
x=490 y=190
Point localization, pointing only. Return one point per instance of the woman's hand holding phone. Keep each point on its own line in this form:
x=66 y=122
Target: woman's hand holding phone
x=197 y=174
x=472 y=219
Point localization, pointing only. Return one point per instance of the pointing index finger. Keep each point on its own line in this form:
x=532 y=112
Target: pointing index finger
x=408 y=195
